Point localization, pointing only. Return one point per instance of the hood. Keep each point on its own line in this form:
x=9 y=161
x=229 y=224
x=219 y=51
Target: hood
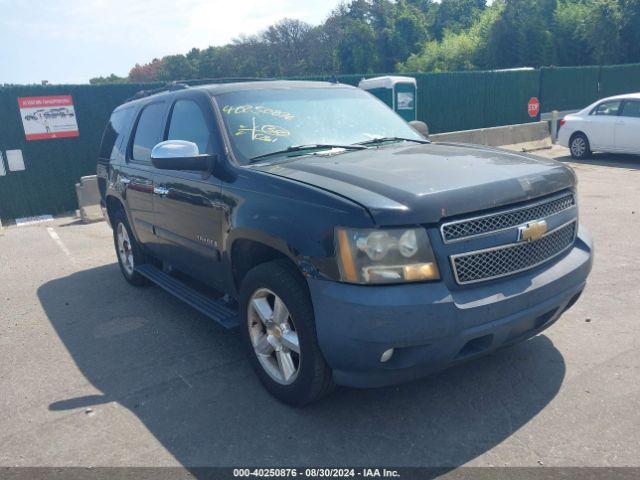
x=413 y=184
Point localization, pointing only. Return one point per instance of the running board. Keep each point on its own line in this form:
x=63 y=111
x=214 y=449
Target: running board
x=221 y=313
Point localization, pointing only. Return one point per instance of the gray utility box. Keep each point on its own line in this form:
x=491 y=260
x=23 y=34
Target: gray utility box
x=400 y=93
x=89 y=199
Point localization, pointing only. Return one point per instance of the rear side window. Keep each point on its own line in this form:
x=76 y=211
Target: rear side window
x=188 y=123
x=112 y=137
x=608 y=108
x=631 y=109
x=148 y=132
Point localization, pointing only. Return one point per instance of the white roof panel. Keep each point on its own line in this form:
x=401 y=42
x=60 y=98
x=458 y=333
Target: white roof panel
x=384 y=82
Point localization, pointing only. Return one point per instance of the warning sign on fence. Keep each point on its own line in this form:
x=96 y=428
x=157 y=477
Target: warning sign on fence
x=48 y=117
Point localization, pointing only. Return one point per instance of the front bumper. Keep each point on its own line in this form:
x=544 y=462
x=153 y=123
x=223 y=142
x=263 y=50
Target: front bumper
x=432 y=327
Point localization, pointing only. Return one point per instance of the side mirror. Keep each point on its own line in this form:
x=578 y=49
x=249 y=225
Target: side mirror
x=420 y=127
x=179 y=155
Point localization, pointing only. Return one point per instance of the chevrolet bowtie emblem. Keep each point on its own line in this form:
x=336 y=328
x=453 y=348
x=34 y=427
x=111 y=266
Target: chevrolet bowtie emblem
x=532 y=231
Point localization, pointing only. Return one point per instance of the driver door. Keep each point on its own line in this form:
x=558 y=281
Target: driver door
x=601 y=125
x=187 y=203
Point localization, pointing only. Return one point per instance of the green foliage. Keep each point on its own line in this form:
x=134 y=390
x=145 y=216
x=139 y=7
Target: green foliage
x=532 y=33
x=456 y=51
x=521 y=36
x=630 y=29
x=105 y=80
x=176 y=67
x=457 y=15
x=365 y=36
x=600 y=31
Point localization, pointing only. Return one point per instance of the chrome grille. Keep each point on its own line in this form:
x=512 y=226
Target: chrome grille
x=463 y=229
x=509 y=259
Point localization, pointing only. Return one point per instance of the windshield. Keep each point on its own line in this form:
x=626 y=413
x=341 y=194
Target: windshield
x=260 y=122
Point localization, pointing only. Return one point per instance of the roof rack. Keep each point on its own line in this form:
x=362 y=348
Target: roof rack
x=204 y=81
x=169 y=87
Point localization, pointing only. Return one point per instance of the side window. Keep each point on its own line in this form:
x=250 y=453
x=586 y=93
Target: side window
x=608 y=108
x=188 y=123
x=112 y=136
x=148 y=132
x=631 y=109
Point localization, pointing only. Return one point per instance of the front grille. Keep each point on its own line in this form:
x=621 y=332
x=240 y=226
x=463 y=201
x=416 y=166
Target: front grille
x=509 y=259
x=463 y=229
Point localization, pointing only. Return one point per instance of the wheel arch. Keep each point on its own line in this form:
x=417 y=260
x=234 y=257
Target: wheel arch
x=576 y=133
x=249 y=249
x=113 y=204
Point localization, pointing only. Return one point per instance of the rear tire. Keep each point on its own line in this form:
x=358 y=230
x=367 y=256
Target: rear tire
x=276 y=319
x=128 y=251
x=579 y=146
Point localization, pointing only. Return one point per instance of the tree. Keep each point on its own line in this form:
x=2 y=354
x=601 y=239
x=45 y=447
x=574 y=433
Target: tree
x=145 y=73
x=521 y=37
x=569 y=47
x=356 y=50
x=457 y=15
x=456 y=51
x=176 y=67
x=381 y=36
x=105 y=80
x=630 y=29
x=600 y=30
x=288 y=46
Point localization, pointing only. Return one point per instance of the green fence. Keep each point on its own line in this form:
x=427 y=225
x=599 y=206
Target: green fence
x=619 y=79
x=446 y=101
x=53 y=167
x=466 y=100
x=570 y=88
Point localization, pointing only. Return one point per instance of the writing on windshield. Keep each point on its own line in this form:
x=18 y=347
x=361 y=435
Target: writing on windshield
x=264 y=121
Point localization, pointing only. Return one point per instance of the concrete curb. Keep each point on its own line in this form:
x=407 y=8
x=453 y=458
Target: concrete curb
x=525 y=136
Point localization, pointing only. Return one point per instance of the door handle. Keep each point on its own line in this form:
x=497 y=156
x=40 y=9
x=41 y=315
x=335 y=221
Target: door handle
x=162 y=191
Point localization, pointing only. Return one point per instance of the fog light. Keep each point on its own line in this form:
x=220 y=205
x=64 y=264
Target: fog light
x=386 y=355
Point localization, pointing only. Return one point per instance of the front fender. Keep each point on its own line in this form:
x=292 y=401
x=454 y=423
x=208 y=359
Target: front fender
x=295 y=219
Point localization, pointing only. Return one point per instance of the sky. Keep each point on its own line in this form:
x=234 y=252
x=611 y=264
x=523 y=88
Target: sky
x=71 y=41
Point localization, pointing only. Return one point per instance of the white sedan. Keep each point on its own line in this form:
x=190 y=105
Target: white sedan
x=608 y=125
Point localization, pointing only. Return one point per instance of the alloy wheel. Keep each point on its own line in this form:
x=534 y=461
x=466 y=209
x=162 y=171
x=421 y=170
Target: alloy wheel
x=578 y=146
x=124 y=249
x=273 y=336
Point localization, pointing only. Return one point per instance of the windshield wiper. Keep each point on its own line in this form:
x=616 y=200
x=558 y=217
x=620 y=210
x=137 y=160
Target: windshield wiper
x=375 y=141
x=301 y=148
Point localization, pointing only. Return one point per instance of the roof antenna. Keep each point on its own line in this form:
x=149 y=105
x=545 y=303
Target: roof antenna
x=333 y=79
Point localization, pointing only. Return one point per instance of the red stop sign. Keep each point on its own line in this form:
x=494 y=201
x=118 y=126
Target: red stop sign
x=534 y=107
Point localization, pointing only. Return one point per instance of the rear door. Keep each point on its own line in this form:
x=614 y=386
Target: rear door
x=628 y=127
x=137 y=176
x=188 y=213
x=113 y=145
x=600 y=125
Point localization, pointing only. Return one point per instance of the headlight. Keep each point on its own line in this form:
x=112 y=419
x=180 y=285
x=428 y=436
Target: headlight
x=385 y=256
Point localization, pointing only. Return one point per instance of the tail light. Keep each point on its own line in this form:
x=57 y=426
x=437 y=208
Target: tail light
x=562 y=122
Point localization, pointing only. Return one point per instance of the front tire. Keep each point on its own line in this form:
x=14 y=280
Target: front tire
x=128 y=251
x=579 y=146
x=278 y=329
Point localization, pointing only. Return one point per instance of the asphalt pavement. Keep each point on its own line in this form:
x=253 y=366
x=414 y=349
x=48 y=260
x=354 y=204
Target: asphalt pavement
x=94 y=372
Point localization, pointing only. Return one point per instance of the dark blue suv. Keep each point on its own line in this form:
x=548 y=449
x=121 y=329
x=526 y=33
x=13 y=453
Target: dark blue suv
x=348 y=248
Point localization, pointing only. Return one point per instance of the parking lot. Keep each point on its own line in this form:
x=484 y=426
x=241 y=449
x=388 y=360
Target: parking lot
x=94 y=372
